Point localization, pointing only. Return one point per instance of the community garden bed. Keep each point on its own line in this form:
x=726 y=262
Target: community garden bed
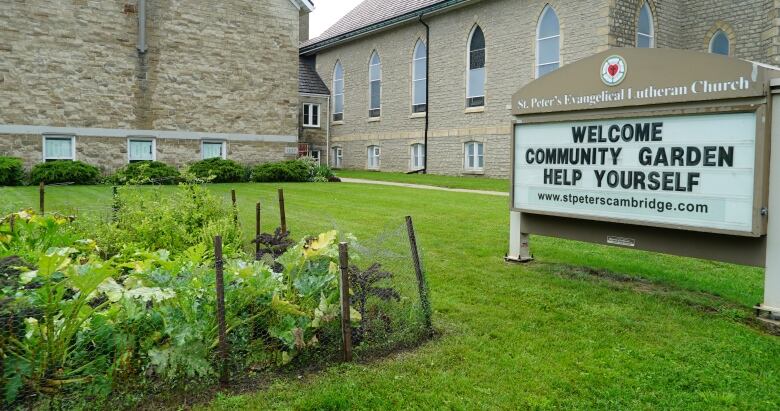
x=116 y=307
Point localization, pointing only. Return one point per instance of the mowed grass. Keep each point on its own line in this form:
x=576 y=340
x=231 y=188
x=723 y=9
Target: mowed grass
x=470 y=183
x=583 y=327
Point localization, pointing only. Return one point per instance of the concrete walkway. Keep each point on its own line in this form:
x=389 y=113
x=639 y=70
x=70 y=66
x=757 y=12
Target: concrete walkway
x=423 y=187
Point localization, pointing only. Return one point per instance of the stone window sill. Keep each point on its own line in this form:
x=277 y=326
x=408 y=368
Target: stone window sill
x=471 y=110
x=315 y=127
x=374 y=120
x=337 y=123
x=474 y=172
x=418 y=115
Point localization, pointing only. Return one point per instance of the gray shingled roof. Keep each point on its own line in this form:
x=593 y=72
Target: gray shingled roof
x=371 y=12
x=308 y=80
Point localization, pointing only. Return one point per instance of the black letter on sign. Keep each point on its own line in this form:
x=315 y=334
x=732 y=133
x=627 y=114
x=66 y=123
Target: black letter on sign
x=578 y=133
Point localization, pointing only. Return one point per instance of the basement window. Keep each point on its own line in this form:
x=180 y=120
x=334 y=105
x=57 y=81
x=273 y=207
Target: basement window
x=59 y=148
x=373 y=157
x=142 y=149
x=475 y=156
x=214 y=149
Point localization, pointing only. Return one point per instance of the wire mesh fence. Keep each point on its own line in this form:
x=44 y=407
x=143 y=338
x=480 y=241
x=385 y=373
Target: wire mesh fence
x=82 y=329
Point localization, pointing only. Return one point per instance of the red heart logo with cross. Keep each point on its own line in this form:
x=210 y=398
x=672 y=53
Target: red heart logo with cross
x=613 y=69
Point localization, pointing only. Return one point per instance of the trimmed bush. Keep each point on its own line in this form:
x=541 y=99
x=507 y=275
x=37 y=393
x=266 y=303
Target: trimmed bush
x=292 y=171
x=55 y=172
x=146 y=172
x=218 y=170
x=11 y=171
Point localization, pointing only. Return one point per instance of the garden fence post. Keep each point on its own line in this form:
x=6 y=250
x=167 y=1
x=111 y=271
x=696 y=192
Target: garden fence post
x=235 y=207
x=346 y=326
x=114 y=204
x=223 y=347
x=257 y=231
x=422 y=287
x=282 y=215
x=42 y=197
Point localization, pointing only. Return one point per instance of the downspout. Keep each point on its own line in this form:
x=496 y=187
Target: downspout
x=327 y=135
x=427 y=91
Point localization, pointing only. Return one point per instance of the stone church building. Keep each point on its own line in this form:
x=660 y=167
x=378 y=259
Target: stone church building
x=114 y=81
x=426 y=84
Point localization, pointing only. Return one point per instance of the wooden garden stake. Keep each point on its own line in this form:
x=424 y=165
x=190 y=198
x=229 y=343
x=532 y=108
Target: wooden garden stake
x=282 y=216
x=422 y=287
x=257 y=230
x=235 y=207
x=12 y=223
x=346 y=323
x=42 y=197
x=114 y=204
x=223 y=347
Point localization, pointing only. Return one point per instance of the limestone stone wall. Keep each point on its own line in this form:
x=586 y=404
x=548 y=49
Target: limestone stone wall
x=226 y=67
x=750 y=24
x=510 y=32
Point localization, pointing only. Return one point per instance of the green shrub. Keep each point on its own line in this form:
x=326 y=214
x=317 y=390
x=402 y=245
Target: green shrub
x=146 y=172
x=218 y=170
x=11 y=171
x=75 y=172
x=323 y=174
x=292 y=171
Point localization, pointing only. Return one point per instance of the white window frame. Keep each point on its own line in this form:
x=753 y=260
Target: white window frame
x=417 y=159
x=203 y=152
x=539 y=40
x=468 y=69
x=307 y=121
x=651 y=35
x=144 y=139
x=72 y=139
x=316 y=155
x=338 y=157
x=712 y=42
x=373 y=152
x=336 y=94
x=476 y=167
x=415 y=74
x=371 y=66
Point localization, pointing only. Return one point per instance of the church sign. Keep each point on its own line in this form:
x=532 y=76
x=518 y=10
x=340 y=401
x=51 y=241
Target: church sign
x=652 y=149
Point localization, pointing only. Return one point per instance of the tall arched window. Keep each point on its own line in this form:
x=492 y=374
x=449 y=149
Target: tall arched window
x=548 y=42
x=420 y=78
x=645 y=30
x=375 y=86
x=720 y=44
x=475 y=87
x=338 y=92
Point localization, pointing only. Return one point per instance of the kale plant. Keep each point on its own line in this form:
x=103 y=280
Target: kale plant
x=364 y=285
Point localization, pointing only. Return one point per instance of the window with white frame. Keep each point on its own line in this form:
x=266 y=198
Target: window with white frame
x=375 y=86
x=214 y=149
x=420 y=78
x=645 y=30
x=418 y=156
x=475 y=156
x=373 y=157
x=315 y=155
x=475 y=87
x=548 y=43
x=56 y=148
x=140 y=149
x=338 y=92
x=336 y=157
x=311 y=115
x=720 y=44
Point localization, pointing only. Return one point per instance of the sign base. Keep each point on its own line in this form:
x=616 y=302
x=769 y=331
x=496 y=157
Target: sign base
x=769 y=314
x=518 y=260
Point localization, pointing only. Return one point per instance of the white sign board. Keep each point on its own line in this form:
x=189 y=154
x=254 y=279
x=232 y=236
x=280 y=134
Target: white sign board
x=694 y=172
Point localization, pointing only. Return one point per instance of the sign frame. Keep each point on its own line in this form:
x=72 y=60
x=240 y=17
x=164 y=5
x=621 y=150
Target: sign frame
x=757 y=106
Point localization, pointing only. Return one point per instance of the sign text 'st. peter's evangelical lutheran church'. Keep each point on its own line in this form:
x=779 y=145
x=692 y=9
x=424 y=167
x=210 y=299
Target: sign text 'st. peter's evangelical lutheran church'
x=661 y=150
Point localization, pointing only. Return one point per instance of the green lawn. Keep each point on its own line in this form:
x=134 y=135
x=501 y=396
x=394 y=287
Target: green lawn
x=471 y=183
x=675 y=334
